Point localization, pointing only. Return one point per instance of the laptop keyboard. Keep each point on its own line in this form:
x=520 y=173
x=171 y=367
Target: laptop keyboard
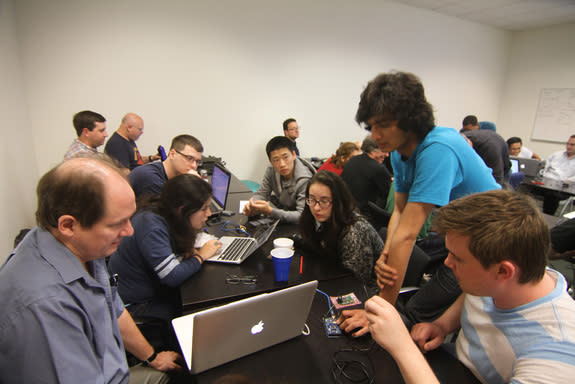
x=236 y=249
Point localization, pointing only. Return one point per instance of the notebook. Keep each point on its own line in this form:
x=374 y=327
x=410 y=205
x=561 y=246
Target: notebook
x=221 y=178
x=530 y=167
x=236 y=249
x=218 y=335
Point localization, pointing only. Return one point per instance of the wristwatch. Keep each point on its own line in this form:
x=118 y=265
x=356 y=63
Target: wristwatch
x=148 y=361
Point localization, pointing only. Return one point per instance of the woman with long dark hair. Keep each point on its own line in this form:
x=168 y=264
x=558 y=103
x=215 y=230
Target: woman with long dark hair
x=161 y=254
x=331 y=227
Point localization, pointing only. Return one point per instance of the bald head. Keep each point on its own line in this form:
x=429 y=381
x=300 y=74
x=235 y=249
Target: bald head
x=78 y=187
x=132 y=126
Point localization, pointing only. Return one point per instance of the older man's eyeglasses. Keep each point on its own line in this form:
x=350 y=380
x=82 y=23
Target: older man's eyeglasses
x=189 y=158
x=236 y=279
x=323 y=203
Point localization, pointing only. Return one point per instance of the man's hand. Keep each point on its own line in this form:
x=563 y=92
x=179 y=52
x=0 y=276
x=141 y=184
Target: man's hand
x=262 y=206
x=168 y=361
x=254 y=207
x=427 y=336
x=353 y=319
x=248 y=210
x=386 y=325
x=194 y=172
x=386 y=275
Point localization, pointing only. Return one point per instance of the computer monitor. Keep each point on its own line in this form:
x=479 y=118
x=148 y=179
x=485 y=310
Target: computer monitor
x=220 y=184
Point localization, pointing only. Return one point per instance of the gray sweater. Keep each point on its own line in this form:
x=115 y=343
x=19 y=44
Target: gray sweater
x=286 y=196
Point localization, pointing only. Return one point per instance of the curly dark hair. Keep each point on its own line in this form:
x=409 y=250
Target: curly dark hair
x=180 y=198
x=399 y=95
x=343 y=215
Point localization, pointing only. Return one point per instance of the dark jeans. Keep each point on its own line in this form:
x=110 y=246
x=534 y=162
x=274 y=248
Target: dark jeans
x=551 y=201
x=429 y=302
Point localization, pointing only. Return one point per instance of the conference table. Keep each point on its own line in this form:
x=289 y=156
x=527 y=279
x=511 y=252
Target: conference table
x=316 y=358
x=547 y=184
x=304 y=359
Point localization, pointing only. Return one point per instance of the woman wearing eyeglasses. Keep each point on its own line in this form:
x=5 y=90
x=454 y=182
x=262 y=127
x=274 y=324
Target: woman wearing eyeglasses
x=331 y=227
x=161 y=254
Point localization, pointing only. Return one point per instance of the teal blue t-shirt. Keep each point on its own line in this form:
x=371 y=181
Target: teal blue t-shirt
x=442 y=168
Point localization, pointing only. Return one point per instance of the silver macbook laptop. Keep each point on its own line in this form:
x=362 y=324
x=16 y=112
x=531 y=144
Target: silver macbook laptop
x=221 y=178
x=236 y=249
x=530 y=167
x=218 y=335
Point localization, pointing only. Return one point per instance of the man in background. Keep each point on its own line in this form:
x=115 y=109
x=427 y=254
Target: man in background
x=281 y=193
x=61 y=320
x=122 y=145
x=469 y=123
x=91 y=130
x=367 y=178
x=291 y=131
x=493 y=150
x=517 y=149
x=559 y=166
x=185 y=156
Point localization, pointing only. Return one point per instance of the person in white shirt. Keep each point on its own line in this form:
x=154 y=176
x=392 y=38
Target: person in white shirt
x=517 y=149
x=559 y=166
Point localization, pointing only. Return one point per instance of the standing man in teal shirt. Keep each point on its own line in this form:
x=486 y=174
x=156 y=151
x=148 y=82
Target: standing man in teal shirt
x=432 y=166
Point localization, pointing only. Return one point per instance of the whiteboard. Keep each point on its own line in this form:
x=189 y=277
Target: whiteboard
x=555 y=117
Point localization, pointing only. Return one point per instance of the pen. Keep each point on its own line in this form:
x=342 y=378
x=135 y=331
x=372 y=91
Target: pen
x=300 y=265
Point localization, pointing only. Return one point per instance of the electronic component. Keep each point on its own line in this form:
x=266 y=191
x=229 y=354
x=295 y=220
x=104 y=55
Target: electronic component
x=345 y=300
x=331 y=327
x=348 y=301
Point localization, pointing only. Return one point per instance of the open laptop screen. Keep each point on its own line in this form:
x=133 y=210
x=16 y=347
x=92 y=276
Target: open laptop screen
x=220 y=185
x=514 y=165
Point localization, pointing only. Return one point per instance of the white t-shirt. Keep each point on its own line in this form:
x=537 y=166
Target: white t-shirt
x=525 y=153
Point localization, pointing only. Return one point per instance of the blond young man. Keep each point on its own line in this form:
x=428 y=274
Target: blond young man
x=517 y=320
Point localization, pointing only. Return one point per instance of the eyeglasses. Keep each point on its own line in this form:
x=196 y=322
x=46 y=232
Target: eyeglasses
x=189 y=158
x=322 y=203
x=234 y=279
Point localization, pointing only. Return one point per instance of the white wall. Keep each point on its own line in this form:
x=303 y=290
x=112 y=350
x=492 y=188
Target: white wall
x=17 y=197
x=540 y=58
x=230 y=72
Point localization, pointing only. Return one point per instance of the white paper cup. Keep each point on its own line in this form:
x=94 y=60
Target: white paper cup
x=283 y=242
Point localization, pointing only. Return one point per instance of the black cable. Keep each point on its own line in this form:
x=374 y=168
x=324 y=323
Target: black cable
x=353 y=370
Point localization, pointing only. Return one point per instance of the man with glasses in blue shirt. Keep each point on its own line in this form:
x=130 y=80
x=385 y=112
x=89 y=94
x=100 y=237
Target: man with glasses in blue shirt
x=185 y=156
x=281 y=193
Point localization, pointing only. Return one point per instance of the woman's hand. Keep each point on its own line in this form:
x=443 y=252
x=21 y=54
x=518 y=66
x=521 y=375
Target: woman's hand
x=209 y=249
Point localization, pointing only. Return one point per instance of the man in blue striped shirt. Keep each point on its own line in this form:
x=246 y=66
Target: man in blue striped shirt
x=517 y=320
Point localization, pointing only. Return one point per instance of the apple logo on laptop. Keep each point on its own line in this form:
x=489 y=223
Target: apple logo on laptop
x=258 y=328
